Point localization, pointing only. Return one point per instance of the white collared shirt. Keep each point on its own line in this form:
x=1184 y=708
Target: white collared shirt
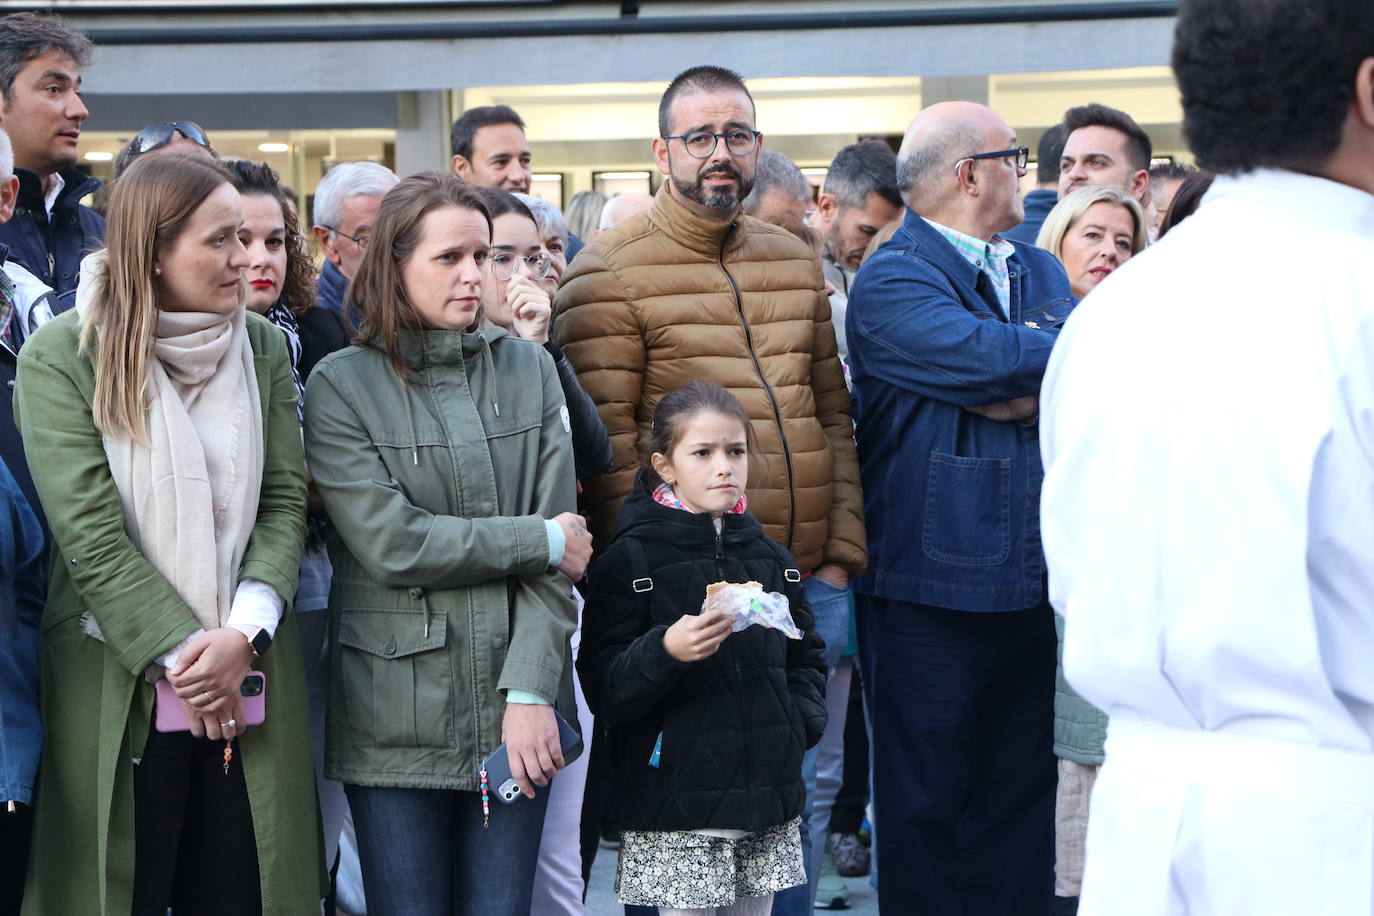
x=50 y=196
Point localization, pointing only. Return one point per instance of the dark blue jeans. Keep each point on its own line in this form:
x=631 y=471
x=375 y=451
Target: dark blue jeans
x=424 y=852
x=963 y=760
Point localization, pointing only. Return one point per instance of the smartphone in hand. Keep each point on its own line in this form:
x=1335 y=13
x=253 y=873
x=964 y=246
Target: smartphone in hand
x=497 y=763
x=170 y=715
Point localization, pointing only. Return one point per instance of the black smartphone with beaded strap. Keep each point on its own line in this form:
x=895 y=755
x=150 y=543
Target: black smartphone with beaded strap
x=497 y=764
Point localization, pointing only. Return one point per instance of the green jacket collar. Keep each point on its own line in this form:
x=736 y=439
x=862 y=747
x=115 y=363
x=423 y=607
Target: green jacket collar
x=424 y=349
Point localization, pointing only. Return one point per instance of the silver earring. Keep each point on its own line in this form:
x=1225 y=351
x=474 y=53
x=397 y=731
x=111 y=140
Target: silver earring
x=157 y=271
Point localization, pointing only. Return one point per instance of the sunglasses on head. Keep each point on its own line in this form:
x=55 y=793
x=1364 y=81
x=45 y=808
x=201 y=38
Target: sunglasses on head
x=158 y=135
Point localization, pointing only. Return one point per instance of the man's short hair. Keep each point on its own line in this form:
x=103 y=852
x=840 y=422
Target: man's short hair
x=860 y=169
x=698 y=79
x=776 y=173
x=345 y=180
x=1170 y=171
x=925 y=168
x=1138 y=147
x=1048 y=153
x=473 y=120
x=1268 y=83
x=24 y=36
x=6 y=156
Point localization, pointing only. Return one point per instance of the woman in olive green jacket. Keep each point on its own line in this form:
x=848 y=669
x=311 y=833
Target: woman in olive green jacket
x=441 y=450
x=160 y=424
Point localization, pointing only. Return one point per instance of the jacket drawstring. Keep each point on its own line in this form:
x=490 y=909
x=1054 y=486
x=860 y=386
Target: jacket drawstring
x=410 y=423
x=491 y=373
x=420 y=595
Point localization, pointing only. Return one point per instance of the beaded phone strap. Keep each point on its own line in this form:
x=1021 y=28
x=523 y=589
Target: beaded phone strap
x=228 y=754
x=486 y=805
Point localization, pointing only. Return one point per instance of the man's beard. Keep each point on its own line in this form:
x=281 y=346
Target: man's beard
x=716 y=200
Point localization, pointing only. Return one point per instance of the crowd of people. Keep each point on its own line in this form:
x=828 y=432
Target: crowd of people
x=401 y=584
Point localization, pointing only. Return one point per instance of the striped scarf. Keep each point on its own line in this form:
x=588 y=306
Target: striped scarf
x=284 y=319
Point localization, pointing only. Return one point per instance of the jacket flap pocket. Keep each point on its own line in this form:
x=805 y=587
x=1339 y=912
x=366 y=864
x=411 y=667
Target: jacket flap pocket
x=392 y=634
x=509 y=425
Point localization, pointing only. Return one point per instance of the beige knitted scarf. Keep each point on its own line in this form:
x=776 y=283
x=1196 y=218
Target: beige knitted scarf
x=190 y=497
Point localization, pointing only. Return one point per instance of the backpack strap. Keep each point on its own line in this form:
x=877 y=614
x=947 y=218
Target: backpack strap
x=789 y=570
x=639 y=567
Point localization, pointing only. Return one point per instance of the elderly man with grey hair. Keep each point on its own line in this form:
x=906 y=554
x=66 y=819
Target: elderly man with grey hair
x=781 y=194
x=346 y=202
x=950 y=329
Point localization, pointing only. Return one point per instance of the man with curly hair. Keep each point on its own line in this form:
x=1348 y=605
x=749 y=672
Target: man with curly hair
x=1208 y=508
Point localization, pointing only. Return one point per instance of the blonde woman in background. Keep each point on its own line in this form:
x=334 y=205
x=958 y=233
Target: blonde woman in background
x=1093 y=231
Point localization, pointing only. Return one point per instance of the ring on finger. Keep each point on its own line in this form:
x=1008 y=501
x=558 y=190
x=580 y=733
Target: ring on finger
x=210 y=697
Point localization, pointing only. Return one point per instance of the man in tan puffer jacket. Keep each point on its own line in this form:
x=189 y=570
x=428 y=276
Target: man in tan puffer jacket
x=694 y=289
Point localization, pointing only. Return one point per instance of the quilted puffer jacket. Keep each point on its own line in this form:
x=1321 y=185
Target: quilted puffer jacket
x=712 y=743
x=669 y=297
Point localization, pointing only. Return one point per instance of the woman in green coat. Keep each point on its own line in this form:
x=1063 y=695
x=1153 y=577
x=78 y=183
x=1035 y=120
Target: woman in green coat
x=159 y=420
x=441 y=450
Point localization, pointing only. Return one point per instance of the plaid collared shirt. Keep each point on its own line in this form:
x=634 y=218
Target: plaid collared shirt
x=989 y=257
x=7 y=335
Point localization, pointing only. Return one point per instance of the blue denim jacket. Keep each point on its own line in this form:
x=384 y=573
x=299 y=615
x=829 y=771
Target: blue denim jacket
x=952 y=500
x=23 y=580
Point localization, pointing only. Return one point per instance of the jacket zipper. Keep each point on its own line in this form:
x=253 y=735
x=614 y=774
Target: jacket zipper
x=720 y=555
x=768 y=389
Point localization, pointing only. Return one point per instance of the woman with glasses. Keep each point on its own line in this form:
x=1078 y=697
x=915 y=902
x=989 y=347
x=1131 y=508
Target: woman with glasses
x=159 y=419
x=518 y=300
x=440 y=448
x=519 y=260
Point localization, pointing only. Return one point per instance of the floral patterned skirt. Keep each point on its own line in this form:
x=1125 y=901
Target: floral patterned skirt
x=675 y=868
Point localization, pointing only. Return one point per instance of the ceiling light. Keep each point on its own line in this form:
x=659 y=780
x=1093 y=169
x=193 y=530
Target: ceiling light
x=274 y=147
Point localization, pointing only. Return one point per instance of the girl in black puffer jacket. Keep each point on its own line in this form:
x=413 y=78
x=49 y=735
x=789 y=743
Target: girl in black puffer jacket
x=705 y=728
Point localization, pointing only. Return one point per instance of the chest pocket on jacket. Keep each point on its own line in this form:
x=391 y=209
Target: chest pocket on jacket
x=396 y=678
x=421 y=467
x=968 y=510
x=513 y=439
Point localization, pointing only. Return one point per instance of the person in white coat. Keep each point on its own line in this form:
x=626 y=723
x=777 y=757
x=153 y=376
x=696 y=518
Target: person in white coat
x=1208 y=505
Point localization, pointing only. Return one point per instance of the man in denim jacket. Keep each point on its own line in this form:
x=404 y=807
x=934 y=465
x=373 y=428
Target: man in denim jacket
x=23 y=581
x=950 y=328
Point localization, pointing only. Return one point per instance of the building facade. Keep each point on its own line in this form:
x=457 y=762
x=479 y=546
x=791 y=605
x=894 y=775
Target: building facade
x=306 y=83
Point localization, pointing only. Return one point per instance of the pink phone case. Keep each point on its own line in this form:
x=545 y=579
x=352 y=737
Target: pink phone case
x=171 y=715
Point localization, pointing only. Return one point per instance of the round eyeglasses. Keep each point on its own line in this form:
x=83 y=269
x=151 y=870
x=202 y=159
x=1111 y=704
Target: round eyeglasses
x=702 y=143
x=504 y=264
